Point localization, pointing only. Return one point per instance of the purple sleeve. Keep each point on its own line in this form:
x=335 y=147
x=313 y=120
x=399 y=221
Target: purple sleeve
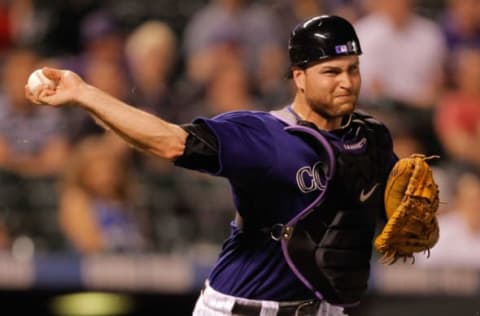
x=245 y=146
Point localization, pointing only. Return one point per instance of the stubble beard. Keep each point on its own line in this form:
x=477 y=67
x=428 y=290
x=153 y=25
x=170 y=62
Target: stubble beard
x=331 y=112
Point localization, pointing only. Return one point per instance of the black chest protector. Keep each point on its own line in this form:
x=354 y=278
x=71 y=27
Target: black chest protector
x=329 y=245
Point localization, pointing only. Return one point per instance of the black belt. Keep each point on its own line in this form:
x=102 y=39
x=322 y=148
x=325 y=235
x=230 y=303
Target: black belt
x=306 y=308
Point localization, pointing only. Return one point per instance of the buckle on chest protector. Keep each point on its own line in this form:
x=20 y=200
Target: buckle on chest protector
x=281 y=231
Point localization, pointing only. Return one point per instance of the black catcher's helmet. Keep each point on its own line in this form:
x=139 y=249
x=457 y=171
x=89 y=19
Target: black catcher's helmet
x=320 y=38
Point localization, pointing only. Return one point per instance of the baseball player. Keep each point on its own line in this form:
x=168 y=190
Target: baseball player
x=308 y=180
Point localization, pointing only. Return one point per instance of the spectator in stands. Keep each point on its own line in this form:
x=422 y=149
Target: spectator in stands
x=457 y=118
x=402 y=129
x=150 y=54
x=403 y=55
x=460 y=227
x=408 y=139
x=248 y=25
x=461 y=23
x=101 y=60
x=98 y=210
x=352 y=10
x=269 y=83
x=33 y=140
x=291 y=12
x=228 y=89
x=33 y=150
x=101 y=37
x=112 y=77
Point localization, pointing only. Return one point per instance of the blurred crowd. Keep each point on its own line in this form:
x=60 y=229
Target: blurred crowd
x=66 y=184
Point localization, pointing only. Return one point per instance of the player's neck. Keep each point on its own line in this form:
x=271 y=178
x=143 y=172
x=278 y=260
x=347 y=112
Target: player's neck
x=305 y=112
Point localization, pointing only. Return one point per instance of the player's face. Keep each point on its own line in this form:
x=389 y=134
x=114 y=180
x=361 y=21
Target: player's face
x=331 y=87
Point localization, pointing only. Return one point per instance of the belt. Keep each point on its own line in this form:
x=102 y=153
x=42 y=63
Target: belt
x=306 y=308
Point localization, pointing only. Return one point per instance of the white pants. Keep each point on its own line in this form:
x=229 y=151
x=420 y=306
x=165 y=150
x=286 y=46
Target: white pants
x=214 y=303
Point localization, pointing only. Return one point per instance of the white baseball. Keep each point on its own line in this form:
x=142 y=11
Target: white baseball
x=36 y=79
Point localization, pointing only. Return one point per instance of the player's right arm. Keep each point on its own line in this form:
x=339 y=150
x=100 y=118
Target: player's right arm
x=140 y=129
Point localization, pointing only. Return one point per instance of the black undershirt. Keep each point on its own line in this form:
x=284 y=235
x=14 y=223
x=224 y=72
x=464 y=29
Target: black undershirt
x=201 y=148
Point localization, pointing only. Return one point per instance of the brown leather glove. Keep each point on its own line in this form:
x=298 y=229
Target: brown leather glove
x=411 y=203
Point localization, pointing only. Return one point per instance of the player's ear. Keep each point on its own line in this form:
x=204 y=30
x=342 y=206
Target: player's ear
x=299 y=78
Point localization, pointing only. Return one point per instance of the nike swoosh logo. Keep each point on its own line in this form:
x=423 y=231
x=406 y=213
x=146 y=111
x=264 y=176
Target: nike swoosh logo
x=365 y=196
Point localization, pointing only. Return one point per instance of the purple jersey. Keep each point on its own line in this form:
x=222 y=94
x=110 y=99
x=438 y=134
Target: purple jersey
x=272 y=175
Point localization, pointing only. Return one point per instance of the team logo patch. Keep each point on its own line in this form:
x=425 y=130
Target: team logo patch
x=312 y=178
x=348 y=48
x=341 y=49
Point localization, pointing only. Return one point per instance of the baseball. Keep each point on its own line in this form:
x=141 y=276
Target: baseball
x=36 y=79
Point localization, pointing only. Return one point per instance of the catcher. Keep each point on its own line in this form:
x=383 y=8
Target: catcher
x=308 y=180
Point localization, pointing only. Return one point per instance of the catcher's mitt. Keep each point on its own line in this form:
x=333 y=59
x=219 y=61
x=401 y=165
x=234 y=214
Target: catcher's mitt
x=411 y=202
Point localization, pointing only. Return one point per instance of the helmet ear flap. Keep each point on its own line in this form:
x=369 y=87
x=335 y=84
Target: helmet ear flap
x=322 y=37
